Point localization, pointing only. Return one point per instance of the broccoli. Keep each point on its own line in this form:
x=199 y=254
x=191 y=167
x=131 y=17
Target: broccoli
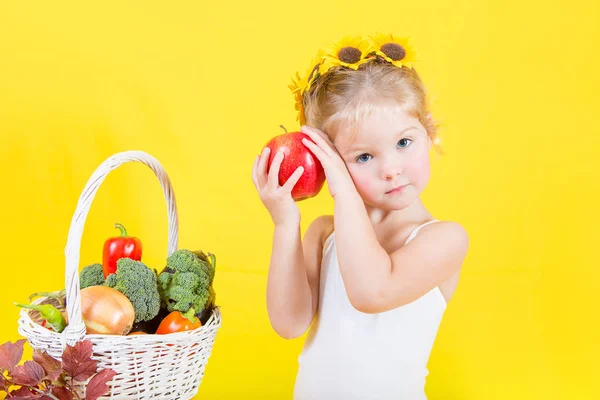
x=186 y=280
x=92 y=275
x=138 y=282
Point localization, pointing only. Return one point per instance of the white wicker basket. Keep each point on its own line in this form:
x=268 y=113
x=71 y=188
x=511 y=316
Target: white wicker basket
x=148 y=366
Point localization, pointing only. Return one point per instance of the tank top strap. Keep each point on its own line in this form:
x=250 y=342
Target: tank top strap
x=417 y=229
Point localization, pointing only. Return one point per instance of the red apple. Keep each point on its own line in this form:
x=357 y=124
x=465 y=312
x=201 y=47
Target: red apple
x=296 y=154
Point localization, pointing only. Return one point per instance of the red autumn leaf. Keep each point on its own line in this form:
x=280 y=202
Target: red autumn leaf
x=77 y=361
x=10 y=355
x=28 y=374
x=62 y=393
x=23 y=392
x=51 y=365
x=97 y=385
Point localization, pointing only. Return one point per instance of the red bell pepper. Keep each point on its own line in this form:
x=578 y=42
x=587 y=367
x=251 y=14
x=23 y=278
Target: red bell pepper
x=123 y=246
x=179 y=322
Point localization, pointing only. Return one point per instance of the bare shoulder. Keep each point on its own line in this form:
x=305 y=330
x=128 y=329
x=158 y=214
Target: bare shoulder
x=451 y=239
x=319 y=230
x=449 y=232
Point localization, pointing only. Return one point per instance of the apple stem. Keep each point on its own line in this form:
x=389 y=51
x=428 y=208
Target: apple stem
x=283 y=127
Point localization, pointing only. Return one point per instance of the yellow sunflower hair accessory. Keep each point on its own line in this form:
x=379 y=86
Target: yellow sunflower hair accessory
x=351 y=52
x=394 y=49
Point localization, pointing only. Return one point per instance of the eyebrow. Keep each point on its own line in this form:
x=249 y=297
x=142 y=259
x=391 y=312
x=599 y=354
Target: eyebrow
x=354 y=148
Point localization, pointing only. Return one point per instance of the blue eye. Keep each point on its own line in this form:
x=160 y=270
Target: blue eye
x=363 y=158
x=402 y=141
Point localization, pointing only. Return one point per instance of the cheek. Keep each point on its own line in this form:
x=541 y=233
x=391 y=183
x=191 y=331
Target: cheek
x=363 y=181
x=419 y=171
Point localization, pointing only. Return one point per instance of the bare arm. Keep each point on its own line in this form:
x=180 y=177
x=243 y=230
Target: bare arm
x=293 y=280
x=292 y=283
x=377 y=281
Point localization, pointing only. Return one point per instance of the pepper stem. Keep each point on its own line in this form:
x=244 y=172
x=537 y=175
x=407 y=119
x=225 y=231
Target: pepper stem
x=190 y=315
x=31 y=306
x=122 y=228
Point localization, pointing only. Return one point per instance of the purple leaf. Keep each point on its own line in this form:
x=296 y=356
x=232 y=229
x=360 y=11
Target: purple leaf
x=77 y=361
x=25 y=393
x=97 y=385
x=22 y=392
x=28 y=374
x=51 y=365
x=10 y=355
x=62 y=393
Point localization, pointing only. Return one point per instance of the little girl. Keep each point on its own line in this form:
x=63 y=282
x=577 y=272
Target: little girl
x=372 y=281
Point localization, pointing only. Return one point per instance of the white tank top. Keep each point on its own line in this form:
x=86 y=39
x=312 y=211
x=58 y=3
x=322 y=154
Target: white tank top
x=350 y=355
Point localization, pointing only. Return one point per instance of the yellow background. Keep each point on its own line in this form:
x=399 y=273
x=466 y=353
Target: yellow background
x=203 y=85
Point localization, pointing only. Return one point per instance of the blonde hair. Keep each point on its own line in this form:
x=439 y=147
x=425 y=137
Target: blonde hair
x=346 y=95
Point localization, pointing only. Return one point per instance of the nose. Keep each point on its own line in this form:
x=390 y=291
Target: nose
x=391 y=171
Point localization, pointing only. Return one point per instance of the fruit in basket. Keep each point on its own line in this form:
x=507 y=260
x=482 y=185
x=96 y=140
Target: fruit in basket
x=138 y=282
x=91 y=275
x=123 y=246
x=49 y=313
x=185 y=280
x=296 y=154
x=106 y=311
x=179 y=322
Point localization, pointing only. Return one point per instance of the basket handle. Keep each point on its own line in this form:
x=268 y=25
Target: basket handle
x=75 y=330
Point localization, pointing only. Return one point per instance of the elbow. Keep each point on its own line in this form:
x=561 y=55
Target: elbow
x=367 y=303
x=288 y=328
x=374 y=302
x=288 y=332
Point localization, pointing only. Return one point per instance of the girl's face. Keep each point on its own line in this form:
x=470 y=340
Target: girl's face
x=388 y=157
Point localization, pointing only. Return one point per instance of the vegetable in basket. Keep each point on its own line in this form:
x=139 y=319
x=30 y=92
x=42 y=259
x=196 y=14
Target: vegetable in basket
x=91 y=275
x=106 y=311
x=205 y=314
x=185 y=281
x=123 y=246
x=152 y=325
x=138 y=282
x=179 y=322
x=50 y=314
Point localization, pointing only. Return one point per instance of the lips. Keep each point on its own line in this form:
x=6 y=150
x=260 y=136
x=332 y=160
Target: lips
x=398 y=189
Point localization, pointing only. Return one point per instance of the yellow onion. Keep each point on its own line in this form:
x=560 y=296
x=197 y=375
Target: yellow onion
x=106 y=311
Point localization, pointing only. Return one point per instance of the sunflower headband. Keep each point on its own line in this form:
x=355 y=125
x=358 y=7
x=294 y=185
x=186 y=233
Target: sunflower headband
x=351 y=52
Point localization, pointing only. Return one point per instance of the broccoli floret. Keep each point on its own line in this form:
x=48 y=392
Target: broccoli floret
x=138 y=282
x=185 y=281
x=92 y=275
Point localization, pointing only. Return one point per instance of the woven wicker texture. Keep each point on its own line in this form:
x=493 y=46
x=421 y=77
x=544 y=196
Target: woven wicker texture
x=148 y=366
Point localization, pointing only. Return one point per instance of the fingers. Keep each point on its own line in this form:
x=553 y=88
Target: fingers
x=293 y=179
x=273 y=181
x=317 y=151
x=261 y=168
x=320 y=139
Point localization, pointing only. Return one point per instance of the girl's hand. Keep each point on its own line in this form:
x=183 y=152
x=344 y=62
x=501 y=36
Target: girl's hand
x=277 y=199
x=336 y=173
